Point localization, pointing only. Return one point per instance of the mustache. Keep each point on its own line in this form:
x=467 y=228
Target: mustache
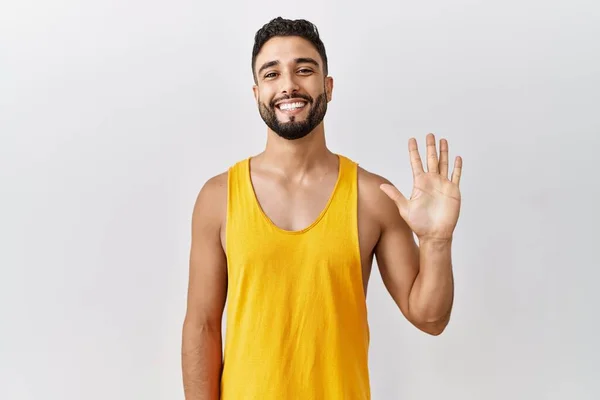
x=296 y=96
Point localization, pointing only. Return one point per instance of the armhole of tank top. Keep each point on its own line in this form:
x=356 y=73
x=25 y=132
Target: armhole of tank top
x=226 y=223
x=355 y=221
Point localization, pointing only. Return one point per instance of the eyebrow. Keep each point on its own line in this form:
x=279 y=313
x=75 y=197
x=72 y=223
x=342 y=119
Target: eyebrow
x=300 y=60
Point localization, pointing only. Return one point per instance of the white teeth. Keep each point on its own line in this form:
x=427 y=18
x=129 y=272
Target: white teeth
x=291 y=106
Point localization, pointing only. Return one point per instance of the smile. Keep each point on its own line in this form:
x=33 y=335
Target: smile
x=291 y=106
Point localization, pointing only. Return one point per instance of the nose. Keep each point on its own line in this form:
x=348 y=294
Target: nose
x=288 y=84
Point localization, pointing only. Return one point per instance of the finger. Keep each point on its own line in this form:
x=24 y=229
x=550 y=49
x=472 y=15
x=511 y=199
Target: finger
x=456 y=174
x=432 y=159
x=415 y=158
x=444 y=158
x=396 y=196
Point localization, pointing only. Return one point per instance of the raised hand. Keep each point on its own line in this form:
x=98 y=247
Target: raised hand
x=434 y=206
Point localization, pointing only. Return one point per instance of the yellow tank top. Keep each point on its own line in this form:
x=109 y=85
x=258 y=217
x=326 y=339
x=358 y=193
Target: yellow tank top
x=296 y=312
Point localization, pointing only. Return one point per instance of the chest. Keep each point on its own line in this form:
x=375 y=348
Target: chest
x=293 y=206
x=296 y=207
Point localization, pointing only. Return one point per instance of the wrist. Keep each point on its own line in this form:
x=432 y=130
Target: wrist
x=435 y=242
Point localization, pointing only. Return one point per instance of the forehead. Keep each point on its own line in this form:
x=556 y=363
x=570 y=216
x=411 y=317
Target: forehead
x=285 y=49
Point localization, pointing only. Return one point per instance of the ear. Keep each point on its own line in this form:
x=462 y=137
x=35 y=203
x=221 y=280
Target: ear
x=255 y=91
x=329 y=87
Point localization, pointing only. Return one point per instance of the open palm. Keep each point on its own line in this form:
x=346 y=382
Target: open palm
x=434 y=205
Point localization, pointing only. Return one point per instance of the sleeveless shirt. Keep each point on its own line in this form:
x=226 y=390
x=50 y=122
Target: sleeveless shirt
x=296 y=317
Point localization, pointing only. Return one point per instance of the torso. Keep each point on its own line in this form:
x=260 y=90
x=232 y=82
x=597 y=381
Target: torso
x=294 y=281
x=277 y=197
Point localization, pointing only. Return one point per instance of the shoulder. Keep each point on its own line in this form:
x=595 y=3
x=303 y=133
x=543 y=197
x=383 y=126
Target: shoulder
x=370 y=180
x=367 y=179
x=213 y=193
x=215 y=185
x=373 y=200
x=210 y=206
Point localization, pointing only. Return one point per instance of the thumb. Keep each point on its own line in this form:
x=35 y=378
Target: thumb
x=396 y=196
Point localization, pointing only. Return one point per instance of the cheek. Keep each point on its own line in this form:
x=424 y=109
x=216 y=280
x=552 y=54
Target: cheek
x=265 y=98
x=318 y=89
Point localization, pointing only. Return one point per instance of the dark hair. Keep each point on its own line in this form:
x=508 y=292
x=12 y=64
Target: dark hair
x=287 y=27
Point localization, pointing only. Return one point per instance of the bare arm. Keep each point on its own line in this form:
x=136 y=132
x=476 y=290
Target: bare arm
x=432 y=212
x=207 y=291
x=418 y=277
x=432 y=295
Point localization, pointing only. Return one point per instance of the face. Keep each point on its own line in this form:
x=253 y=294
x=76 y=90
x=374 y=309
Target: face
x=291 y=91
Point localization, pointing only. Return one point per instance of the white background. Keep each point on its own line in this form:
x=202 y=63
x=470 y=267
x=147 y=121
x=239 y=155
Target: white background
x=114 y=113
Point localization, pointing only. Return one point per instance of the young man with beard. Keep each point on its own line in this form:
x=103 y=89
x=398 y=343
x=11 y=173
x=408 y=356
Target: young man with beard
x=288 y=237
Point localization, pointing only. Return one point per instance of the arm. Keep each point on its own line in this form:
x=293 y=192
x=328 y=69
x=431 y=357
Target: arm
x=207 y=290
x=432 y=295
x=419 y=278
x=431 y=213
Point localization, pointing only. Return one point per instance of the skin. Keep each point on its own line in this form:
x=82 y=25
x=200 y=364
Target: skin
x=299 y=175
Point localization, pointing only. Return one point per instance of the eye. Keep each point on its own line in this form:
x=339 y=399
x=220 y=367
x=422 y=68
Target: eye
x=270 y=75
x=305 y=71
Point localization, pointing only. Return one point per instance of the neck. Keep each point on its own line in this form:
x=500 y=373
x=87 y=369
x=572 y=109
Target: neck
x=291 y=157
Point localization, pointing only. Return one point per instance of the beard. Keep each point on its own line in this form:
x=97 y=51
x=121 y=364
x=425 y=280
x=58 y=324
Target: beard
x=293 y=129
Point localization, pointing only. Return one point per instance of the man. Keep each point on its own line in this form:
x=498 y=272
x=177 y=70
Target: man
x=288 y=237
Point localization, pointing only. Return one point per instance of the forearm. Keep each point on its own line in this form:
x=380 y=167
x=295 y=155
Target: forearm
x=432 y=294
x=201 y=361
